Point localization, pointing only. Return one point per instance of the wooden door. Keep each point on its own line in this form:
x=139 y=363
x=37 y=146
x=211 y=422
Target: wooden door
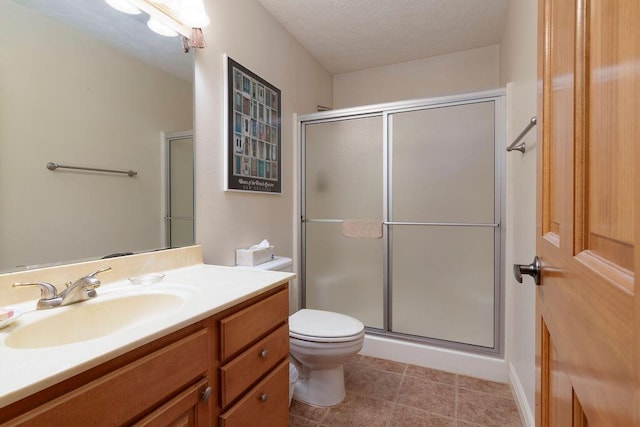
x=588 y=213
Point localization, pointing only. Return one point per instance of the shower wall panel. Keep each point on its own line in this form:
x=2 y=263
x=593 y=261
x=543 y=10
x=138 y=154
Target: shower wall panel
x=443 y=164
x=344 y=180
x=443 y=283
x=344 y=274
x=443 y=182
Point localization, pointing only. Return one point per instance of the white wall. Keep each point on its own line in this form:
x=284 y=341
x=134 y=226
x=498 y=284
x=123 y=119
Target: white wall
x=466 y=71
x=518 y=66
x=67 y=98
x=245 y=31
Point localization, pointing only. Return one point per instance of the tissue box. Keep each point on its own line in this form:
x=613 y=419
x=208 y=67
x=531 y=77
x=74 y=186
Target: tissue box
x=251 y=257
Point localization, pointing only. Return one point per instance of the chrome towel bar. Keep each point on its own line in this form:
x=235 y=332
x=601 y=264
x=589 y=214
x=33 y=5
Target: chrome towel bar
x=522 y=147
x=53 y=166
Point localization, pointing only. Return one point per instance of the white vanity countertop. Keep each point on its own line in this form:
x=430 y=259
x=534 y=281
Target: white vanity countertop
x=207 y=290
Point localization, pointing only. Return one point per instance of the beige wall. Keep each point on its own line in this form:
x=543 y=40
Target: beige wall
x=50 y=75
x=518 y=66
x=459 y=72
x=245 y=31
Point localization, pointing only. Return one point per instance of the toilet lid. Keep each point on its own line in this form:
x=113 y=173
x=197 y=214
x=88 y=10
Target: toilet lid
x=318 y=325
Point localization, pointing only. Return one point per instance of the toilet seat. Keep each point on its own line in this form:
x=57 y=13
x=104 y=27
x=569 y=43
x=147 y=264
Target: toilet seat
x=324 y=326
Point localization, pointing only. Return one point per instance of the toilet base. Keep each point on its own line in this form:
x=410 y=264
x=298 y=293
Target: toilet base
x=323 y=387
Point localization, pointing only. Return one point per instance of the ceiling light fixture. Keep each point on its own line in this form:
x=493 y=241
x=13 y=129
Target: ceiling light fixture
x=170 y=17
x=192 y=13
x=159 y=28
x=124 y=6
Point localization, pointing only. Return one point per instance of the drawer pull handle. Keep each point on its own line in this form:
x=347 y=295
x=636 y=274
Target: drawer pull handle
x=263 y=397
x=204 y=396
x=264 y=353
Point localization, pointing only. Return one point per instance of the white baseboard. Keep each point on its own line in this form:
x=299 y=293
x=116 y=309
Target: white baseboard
x=526 y=416
x=458 y=362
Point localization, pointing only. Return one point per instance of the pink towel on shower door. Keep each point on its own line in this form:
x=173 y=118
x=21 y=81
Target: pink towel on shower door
x=362 y=229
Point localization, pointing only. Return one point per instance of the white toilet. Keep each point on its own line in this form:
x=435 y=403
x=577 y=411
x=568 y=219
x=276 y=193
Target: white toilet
x=320 y=343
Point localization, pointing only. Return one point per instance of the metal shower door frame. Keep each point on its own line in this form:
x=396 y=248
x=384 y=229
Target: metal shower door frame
x=168 y=138
x=384 y=111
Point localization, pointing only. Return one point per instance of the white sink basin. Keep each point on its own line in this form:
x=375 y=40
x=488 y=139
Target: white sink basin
x=93 y=319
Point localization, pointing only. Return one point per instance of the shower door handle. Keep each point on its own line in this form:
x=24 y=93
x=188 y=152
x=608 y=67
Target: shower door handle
x=532 y=270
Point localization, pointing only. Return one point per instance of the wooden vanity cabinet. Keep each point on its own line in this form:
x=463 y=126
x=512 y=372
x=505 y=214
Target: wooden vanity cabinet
x=254 y=364
x=267 y=402
x=156 y=384
x=230 y=369
x=188 y=409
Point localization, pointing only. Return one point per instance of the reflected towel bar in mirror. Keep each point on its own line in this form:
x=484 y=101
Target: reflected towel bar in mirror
x=53 y=166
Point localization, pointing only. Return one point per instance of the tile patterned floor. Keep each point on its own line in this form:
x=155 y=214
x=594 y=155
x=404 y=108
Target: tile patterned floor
x=391 y=394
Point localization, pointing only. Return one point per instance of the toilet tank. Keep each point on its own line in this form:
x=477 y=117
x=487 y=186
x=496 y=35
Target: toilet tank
x=278 y=263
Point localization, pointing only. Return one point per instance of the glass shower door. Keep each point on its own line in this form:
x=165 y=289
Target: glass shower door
x=443 y=216
x=430 y=172
x=343 y=180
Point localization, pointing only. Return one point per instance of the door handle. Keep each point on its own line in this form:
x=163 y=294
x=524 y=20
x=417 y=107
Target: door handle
x=532 y=270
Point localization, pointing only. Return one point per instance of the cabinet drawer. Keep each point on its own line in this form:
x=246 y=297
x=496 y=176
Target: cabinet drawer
x=267 y=402
x=126 y=393
x=246 y=326
x=239 y=374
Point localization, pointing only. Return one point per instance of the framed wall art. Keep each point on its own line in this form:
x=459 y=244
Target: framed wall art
x=253 y=146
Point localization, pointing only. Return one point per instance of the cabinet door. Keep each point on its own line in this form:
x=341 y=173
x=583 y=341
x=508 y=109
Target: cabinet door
x=129 y=392
x=189 y=408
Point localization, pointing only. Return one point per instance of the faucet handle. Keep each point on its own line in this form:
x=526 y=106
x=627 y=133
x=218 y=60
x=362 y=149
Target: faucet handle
x=91 y=281
x=102 y=270
x=47 y=290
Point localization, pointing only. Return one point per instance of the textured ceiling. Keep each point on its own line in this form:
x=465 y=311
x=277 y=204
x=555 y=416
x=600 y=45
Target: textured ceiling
x=350 y=35
x=343 y=35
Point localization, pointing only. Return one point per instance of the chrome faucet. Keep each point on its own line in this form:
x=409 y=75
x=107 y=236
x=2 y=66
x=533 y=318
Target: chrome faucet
x=81 y=290
x=48 y=294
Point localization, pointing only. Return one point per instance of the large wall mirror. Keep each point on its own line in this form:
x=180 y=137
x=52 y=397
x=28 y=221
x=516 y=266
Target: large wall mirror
x=83 y=84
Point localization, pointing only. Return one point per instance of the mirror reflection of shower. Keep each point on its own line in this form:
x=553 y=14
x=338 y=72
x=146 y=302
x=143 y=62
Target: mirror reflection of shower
x=77 y=91
x=180 y=186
